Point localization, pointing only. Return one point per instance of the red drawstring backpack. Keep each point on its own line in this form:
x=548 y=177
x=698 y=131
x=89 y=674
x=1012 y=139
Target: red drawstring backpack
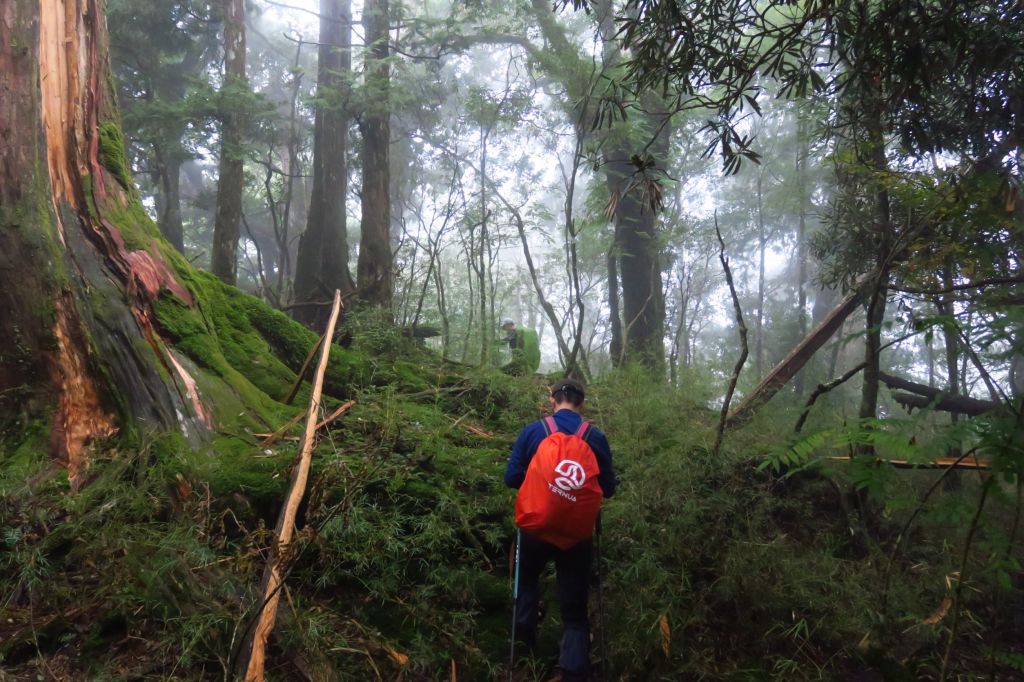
x=560 y=496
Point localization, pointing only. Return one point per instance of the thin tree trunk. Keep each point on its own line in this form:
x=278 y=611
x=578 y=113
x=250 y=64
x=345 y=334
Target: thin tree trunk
x=169 y=205
x=879 y=290
x=946 y=307
x=742 y=330
x=801 y=241
x=442 y=309
x=485 y=325
x=223 y=262
x=291 y=170
x=762 y=241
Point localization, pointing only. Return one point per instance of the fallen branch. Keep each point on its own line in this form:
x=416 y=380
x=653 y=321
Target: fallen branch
x=743 y=340
x=961 y=462
x=271 y=438
x=254 y=660
x=475 y=430
x=302 y=372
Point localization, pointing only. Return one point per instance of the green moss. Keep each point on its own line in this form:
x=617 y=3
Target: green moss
x=239 y=467
x=112 y=154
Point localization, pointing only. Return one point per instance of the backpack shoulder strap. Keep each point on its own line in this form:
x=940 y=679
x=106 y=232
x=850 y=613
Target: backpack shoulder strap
x=549 y=425
x=584 y=430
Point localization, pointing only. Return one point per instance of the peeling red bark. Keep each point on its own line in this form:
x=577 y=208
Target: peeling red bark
x=81 y=418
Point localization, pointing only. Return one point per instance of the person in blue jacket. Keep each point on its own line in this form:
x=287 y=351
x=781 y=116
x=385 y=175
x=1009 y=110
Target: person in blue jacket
x=573 y=565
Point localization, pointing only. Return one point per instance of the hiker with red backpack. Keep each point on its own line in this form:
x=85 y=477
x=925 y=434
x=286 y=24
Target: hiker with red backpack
x=562 y=466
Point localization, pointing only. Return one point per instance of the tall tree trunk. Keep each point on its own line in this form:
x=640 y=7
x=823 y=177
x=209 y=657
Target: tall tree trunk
x=322 y=261
x=223 y=261
x=639 y=271
x=81 y=348
x=374 y=268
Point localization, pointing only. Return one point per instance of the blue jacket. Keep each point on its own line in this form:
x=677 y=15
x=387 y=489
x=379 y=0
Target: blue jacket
x=568 y=421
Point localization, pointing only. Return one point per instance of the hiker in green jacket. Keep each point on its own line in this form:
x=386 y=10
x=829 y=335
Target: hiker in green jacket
x=524 y=345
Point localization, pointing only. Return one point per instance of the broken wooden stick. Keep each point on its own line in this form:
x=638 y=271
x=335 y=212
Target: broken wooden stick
x=254 y=662
x=271 y=438
x=334 y=415
x=962 y=462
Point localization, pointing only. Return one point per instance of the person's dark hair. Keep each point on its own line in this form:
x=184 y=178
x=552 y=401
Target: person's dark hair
x=568 y=391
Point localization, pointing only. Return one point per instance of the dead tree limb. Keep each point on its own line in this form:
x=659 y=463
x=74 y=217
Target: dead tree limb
x=253 y=662
x=913 y=394
x=743 y=340
x=821 y=390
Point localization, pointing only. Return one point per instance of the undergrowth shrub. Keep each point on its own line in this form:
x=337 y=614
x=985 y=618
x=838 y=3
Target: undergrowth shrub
x=121 y=575
x=769 y=560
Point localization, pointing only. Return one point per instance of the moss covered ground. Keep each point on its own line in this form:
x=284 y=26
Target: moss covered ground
x=714 y=568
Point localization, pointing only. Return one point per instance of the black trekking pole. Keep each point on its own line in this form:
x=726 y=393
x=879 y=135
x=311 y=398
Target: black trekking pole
x=515 y=601
x=600 y=603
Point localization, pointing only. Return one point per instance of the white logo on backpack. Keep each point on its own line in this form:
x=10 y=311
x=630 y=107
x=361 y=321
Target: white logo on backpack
x=571 y=475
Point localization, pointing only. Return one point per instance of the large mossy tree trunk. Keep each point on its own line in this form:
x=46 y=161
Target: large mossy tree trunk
x=79 y=267
x=322 y=261
x=109 y=332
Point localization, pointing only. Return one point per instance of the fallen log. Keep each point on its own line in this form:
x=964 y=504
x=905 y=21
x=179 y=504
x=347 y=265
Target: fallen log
x=797 y=358
x=972 y=462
